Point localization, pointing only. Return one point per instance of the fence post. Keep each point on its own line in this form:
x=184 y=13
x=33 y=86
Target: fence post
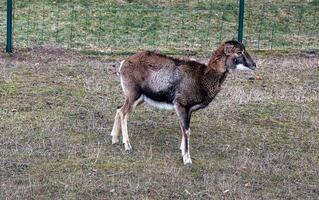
x=241 y=21
x=9 y=27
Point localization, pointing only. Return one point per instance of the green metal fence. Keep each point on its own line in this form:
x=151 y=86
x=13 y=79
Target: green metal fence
x=119 y=25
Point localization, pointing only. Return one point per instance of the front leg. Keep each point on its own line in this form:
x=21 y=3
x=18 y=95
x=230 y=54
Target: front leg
x=184 y=116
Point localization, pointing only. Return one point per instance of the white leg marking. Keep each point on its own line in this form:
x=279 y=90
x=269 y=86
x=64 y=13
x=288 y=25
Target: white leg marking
x=182 y=147
x=125 y=137
x=116 y=127
x=123 y=123
x=139 y=100
x=187 y=159
x=186 y=156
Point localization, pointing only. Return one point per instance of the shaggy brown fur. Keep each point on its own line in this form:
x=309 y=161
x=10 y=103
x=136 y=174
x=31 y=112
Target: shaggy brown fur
x=168 y=82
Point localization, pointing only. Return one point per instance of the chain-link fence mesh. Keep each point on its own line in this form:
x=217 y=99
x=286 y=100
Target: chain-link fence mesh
x=119 y=25
x=2 y=23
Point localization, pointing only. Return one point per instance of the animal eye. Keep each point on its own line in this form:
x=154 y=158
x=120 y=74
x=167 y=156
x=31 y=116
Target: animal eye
x=239 y=53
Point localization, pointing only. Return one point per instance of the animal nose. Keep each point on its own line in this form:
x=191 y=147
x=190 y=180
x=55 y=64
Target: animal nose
x=253 y=66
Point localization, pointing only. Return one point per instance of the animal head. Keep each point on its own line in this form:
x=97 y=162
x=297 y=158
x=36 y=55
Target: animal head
x=237 y=57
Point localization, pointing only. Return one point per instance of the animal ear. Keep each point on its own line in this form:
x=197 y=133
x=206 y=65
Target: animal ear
x=228 y=49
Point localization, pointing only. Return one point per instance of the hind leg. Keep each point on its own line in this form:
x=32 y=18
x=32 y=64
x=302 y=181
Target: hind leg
x=125 y=137
x=131 y=101
x=116 y=127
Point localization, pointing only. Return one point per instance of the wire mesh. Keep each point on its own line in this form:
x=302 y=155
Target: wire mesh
x=119 y=25
x=280 y=26
x=2 y=23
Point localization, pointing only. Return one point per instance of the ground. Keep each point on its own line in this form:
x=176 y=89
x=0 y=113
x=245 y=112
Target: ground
x=257 y=140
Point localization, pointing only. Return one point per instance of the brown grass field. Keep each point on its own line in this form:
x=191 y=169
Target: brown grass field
x=259 y=139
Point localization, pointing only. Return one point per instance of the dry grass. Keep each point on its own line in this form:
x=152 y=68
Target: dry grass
x=257 y=140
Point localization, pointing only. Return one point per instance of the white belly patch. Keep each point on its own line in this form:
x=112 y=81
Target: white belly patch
x=157 y=104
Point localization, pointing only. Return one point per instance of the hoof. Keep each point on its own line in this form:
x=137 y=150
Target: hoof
x=129 y=151
x=187 y=165
x=187 y=160
x=112 y=133
x=128 y=148
x=115 y=140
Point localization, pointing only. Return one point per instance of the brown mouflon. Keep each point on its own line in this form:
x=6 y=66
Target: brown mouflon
x=171 y=83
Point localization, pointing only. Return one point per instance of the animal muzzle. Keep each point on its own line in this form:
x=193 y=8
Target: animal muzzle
x=252 y=66
x=248 y=62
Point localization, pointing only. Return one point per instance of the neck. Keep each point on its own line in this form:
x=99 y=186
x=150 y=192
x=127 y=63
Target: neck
x=212 y=82
x=218 y=61
x=215 y=73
